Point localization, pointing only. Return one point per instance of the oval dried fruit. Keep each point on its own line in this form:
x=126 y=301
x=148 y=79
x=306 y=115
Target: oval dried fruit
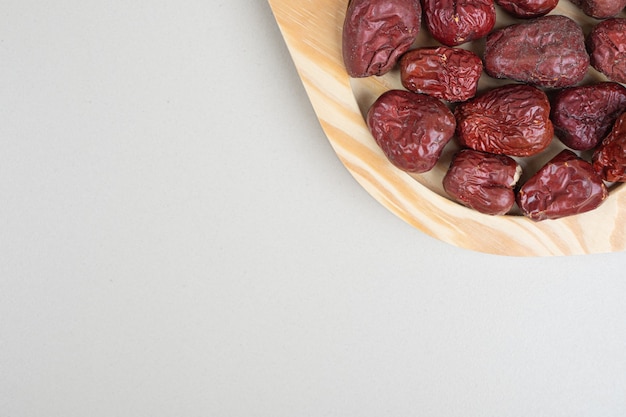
x=565 y=186
x=607 y=48
x=453 y=22
x=583 y=115
x=548 y=51
x=600 y=9
x=411 y=129
x=482 y=181
x=512 y=120
x=450 y=74
x=609 y=159
x=376 y=33
x=526 y=9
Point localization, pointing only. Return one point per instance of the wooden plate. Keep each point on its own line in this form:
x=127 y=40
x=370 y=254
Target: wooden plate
x=312 y=31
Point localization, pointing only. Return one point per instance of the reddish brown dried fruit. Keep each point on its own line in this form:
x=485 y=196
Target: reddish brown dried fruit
x=376 y=33
x=525 y=9
x=600 y=9
x=453 y=22
x=451 y=74
x=412 y=129
x=583 y=115
x=548 y=51
x=607 y=47
x=482 y=181
x=566 y=185
x=609 y=159
x=513 y=120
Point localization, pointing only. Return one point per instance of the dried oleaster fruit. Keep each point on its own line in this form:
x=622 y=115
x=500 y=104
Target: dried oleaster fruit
x=482 y=181
x=454 y=22
x=411 y=129
x=548 y=51
x=566 y=185
x=583 y=115
x=376 y=33
x=512 y=120
x=600 y=9
x=607 y=46
x=609 y=159
x=526 y=9
x=450 y=74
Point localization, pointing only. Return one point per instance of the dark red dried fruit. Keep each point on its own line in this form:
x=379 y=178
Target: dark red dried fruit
x=376 y=33
x=526 y=9
x=609 y=159
x=600 y=9
x=482 y=181
x=453 y=22
x=412 y=129
x=512 y=120
x=607 y=47
x=548 y=51
x=566 y=185
x=450 y=74
x=583 y=115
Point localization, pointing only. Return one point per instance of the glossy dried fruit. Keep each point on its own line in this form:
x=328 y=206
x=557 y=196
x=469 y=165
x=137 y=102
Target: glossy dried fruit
x=609 y=159
x=607 y=47
x=450 y=74
x=583 y=115
x=411 y=129
x=526 y=9
x=566 y=185
x=548 y=51
x=600 y=9
x=513 y=120
x=453 y=22
x=376 y=33
x=482 y=181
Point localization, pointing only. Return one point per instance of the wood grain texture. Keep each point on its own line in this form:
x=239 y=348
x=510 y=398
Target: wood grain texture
x=312 y=32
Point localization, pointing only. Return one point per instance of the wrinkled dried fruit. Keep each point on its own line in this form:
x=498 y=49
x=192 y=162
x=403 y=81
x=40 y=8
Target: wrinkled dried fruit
x=512 y=120
x=376 y=33
x=482 y=181
x=566 y=185
x=607 y=47
x=583 y=115
x=600 y=9
x=453 y=22
x=525 y=9
x=412 y=129
x=609 y=159
x=447 y=73
x=548 y=51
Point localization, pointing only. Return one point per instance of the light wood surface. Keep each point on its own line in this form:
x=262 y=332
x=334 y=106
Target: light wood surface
x=312 y=32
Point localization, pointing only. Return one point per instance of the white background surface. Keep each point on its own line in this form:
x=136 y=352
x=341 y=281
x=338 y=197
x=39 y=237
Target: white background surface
x=177 y=238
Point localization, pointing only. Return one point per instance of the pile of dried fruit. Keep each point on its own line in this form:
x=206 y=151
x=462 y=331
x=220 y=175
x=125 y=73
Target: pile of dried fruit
x=545 y=56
